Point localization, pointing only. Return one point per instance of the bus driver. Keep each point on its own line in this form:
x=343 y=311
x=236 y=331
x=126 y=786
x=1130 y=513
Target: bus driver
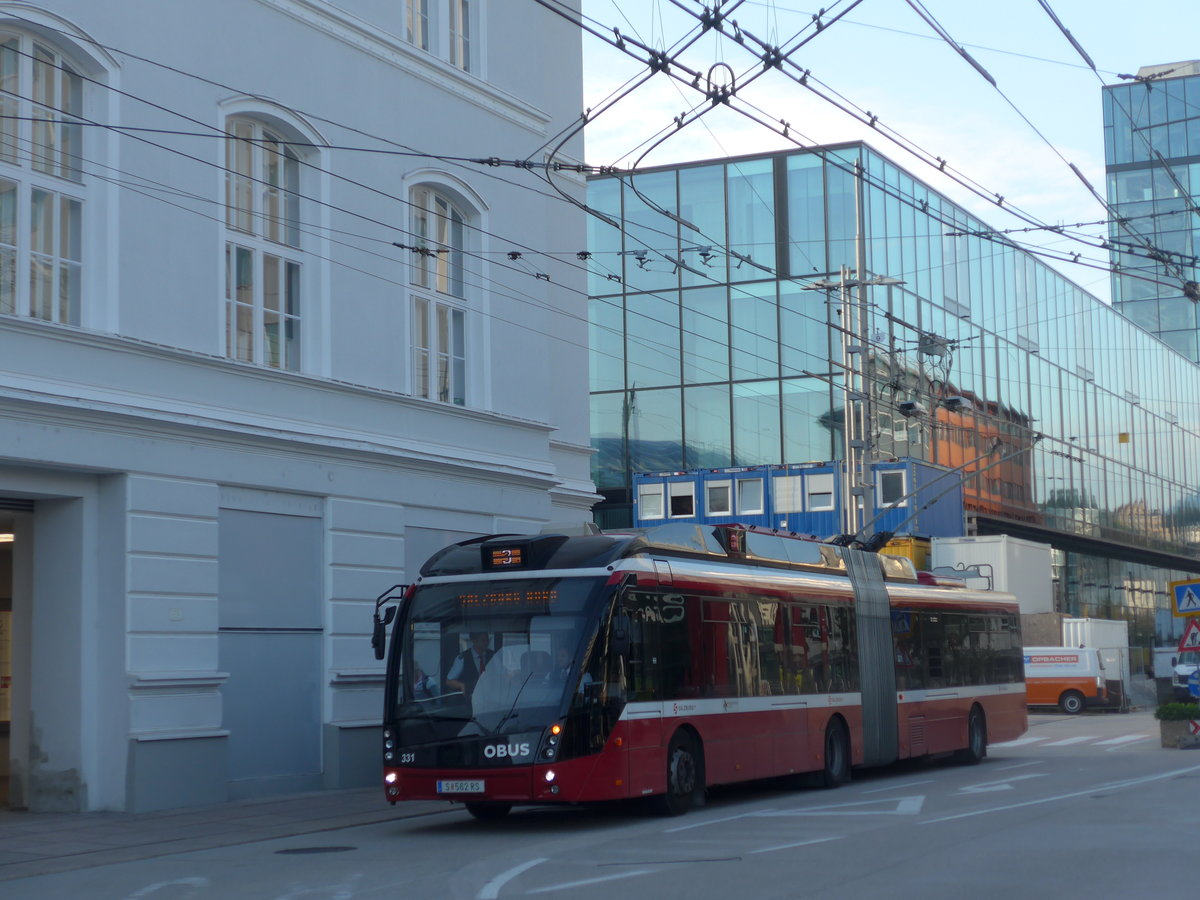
x=469 y=665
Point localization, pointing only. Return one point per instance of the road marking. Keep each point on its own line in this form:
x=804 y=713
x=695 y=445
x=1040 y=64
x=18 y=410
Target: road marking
x=901 y=806
x=491 y=890
x=1004 y=785
x=1018 y=742
x=1066 y=742
x=713 y=822
x=821 y=840
x=193 y=881
x=897 y=787
x=587 y=881
x=1125 y=739
x=1111 y=786
x=1021 y=765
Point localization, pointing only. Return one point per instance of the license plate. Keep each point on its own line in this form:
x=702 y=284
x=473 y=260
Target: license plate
x=460 y=787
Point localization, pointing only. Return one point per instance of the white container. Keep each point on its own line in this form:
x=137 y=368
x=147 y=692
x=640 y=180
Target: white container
x=1020 y=567
x=1101 y=633
x=1111 y=638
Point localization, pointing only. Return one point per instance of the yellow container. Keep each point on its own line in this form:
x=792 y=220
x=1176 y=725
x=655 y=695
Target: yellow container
x=915 y=548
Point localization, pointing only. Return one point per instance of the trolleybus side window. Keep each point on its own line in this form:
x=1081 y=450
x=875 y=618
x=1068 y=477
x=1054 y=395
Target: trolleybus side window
x=843 y=649
x=660 y=663
x=771 y=657
x=952 y=649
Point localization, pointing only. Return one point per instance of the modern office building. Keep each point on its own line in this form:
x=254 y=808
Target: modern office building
x=1152 y=157
x=826 y=305
x=263 y=349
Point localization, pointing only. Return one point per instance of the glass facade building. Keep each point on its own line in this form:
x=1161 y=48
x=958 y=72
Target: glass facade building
x=738 y=305
x=1152 y=157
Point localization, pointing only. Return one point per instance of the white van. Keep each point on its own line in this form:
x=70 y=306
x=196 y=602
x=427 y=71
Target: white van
x=1070 y=678
x=1170 y=663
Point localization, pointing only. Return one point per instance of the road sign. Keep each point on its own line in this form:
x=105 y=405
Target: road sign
x=1191 y=636
x=1194 y=726
x=1194 y=685
x=1186 y=597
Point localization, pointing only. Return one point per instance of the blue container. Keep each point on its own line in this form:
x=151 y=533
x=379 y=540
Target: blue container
x=910 y=497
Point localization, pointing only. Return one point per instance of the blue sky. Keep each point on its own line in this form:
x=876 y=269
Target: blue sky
x=885 y=59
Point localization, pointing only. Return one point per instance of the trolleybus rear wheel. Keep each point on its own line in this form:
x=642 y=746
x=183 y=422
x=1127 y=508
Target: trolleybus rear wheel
x=837 y=755
x=976 y=748
x=489 y=812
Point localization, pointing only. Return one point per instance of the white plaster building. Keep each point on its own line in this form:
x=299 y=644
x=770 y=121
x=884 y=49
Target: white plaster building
x=232 y=410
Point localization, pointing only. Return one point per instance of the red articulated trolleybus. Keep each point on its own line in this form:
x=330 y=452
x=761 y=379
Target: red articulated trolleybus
x=656 y=662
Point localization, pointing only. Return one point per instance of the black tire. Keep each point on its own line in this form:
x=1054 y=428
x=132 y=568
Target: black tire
x=684 y=776
x=837 y=755
x=976 y=748
x=1071 y=702
x=489 y=812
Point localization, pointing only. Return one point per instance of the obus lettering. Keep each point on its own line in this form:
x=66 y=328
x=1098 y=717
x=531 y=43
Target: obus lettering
x=502 y=751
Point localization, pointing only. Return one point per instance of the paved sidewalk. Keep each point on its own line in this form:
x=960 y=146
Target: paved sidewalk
x=40 y=843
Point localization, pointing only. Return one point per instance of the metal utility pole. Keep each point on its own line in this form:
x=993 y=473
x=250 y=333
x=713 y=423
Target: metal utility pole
x=857 y=488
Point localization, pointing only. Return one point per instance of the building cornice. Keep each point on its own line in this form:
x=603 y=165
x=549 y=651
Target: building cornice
x=362 y=35
x=32 y=394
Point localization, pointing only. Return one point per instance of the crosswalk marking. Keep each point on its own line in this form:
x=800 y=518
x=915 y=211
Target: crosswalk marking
x=1071 y=741
x=1019 y=742
x=1126 y=738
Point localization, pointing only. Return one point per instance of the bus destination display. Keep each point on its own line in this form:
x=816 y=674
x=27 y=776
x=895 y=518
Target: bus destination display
x=526 y=602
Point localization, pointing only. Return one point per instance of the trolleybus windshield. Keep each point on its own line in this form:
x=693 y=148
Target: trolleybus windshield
x=537 y=631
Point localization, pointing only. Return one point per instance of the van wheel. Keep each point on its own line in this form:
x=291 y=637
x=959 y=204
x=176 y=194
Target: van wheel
x=1071 y=702
x=683 y=776
x=489 y=812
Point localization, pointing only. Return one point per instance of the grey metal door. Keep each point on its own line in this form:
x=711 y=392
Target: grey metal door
x=270 y=626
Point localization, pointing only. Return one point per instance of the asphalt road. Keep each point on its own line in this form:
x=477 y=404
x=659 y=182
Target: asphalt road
x=1081 y=806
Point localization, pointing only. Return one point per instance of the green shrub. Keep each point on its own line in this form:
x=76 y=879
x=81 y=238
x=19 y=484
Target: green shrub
x=1177 y=712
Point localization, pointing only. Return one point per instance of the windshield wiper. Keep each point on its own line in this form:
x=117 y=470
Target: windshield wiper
x=512 y=710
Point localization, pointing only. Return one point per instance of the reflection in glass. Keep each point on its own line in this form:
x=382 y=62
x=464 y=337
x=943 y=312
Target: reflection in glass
x=756 y=435
x=706 y=427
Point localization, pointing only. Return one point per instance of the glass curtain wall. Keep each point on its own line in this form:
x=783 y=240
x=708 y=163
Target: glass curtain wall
x=710 y=348
x=1152 y=153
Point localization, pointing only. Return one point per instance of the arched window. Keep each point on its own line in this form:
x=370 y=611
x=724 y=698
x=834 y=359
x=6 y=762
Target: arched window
x=41 y=182
x=439 y=297
x=262 y=248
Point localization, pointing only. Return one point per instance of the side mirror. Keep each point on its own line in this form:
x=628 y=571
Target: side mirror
x=379 y=632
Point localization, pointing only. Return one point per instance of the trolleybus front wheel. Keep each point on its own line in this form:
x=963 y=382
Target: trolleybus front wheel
x=684 y=767
x=489 y=812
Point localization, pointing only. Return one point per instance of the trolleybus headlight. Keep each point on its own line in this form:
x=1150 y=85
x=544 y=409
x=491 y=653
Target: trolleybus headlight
x=390 y=777
x=550 y=775
x=389 y=756
x=388 y=744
